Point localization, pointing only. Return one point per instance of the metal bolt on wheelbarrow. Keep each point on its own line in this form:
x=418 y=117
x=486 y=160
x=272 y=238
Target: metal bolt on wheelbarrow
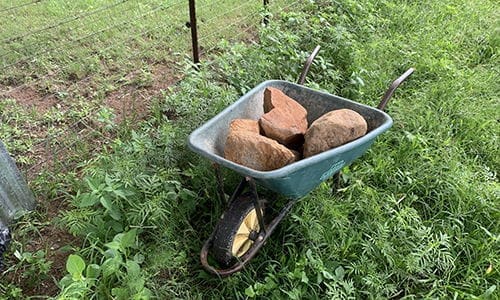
x=244 y=226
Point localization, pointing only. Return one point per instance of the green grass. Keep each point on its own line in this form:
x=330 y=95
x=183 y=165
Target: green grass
x=67 y=65
x=73 y=40
x=418 y=214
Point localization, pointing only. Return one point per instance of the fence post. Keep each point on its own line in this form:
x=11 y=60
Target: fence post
x=266 y=16
x=194 y=33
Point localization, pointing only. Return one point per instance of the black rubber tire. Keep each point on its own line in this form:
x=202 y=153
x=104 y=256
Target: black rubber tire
x=228 y=227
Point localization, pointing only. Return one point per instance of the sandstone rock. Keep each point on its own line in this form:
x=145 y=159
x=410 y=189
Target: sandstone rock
x=285 y=120
x=333 y=129
x=245 y=125
x=256 y=151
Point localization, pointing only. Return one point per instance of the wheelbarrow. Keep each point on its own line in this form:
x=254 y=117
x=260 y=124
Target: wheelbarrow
x=244 y=227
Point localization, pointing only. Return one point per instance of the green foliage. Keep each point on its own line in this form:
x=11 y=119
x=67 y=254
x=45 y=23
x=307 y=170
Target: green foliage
x=32 y=266
x=417 y=216
x=10 y=291
x=137 y=187
x=118 y=273
x=12 y=132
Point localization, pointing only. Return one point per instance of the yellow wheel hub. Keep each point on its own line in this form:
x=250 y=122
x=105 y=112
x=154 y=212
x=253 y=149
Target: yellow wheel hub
x=242 y=241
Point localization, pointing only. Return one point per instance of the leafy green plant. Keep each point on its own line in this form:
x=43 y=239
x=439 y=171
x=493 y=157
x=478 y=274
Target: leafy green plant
x=417 y=216
x=31 y=267
x=10 y=291
x=119 y=273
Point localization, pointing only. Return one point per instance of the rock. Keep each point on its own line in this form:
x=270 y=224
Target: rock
x=245 y=125
x=257 y=152
x=333 y=129
x=284 y=119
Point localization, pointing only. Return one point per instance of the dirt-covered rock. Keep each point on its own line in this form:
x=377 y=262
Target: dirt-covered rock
x=333 y=129
x=284 y=119
x=244 y=125
x=256 y=151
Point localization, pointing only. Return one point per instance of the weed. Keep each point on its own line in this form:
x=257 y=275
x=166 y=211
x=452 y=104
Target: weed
x=417 y=216
x=118 y=272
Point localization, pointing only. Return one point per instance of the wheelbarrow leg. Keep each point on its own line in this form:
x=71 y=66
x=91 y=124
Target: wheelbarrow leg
x=259 y=242
x=220 y=182
x=257 y=204
x=223 y=238
x=336 y=182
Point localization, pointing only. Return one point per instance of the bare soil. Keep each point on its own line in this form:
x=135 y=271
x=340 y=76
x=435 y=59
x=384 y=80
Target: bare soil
x=129 y=103
x=30 y=98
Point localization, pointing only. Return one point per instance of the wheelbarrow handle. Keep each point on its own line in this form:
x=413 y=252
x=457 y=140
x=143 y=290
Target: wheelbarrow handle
x=394 y=85
x=307 y=65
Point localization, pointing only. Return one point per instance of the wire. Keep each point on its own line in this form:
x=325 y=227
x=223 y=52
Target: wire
x=227 y=26
x=20 y=5
x=240 y=33
x=65 y=21
x=46 y=49
x=209 y=21
x=199 y=8
x=68 y=42
x=83 y=121
x=87 y=116
x=285 y=7
x=130 y=38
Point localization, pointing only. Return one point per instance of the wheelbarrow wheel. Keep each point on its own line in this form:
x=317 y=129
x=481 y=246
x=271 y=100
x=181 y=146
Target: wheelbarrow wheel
x=236 y=231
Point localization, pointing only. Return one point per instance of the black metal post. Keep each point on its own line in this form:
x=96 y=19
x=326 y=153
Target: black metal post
x=194 y=33
x=266 y=16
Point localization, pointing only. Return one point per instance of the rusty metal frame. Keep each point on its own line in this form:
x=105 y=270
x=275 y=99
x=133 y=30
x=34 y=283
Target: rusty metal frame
x=263 y=235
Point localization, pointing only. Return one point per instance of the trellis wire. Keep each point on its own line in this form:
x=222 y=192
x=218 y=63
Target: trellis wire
x=87 y=131
x=68 y=20
x=21 y=5
x=267 y=5
x=58 y=71
x=244 y=5
x=84 y=118
x=230 y=25
x=48 y=49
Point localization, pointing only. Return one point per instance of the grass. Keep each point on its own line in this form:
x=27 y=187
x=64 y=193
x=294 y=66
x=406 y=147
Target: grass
x=62 y=36
x=418 y=214
x=69 y=65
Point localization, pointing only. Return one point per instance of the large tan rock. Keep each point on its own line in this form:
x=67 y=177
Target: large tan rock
x=284 y=119
x=333 y=129
x=244 y=125
x=257 y=152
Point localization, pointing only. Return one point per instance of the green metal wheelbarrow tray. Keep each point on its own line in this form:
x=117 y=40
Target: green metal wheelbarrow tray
x=242 y=229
